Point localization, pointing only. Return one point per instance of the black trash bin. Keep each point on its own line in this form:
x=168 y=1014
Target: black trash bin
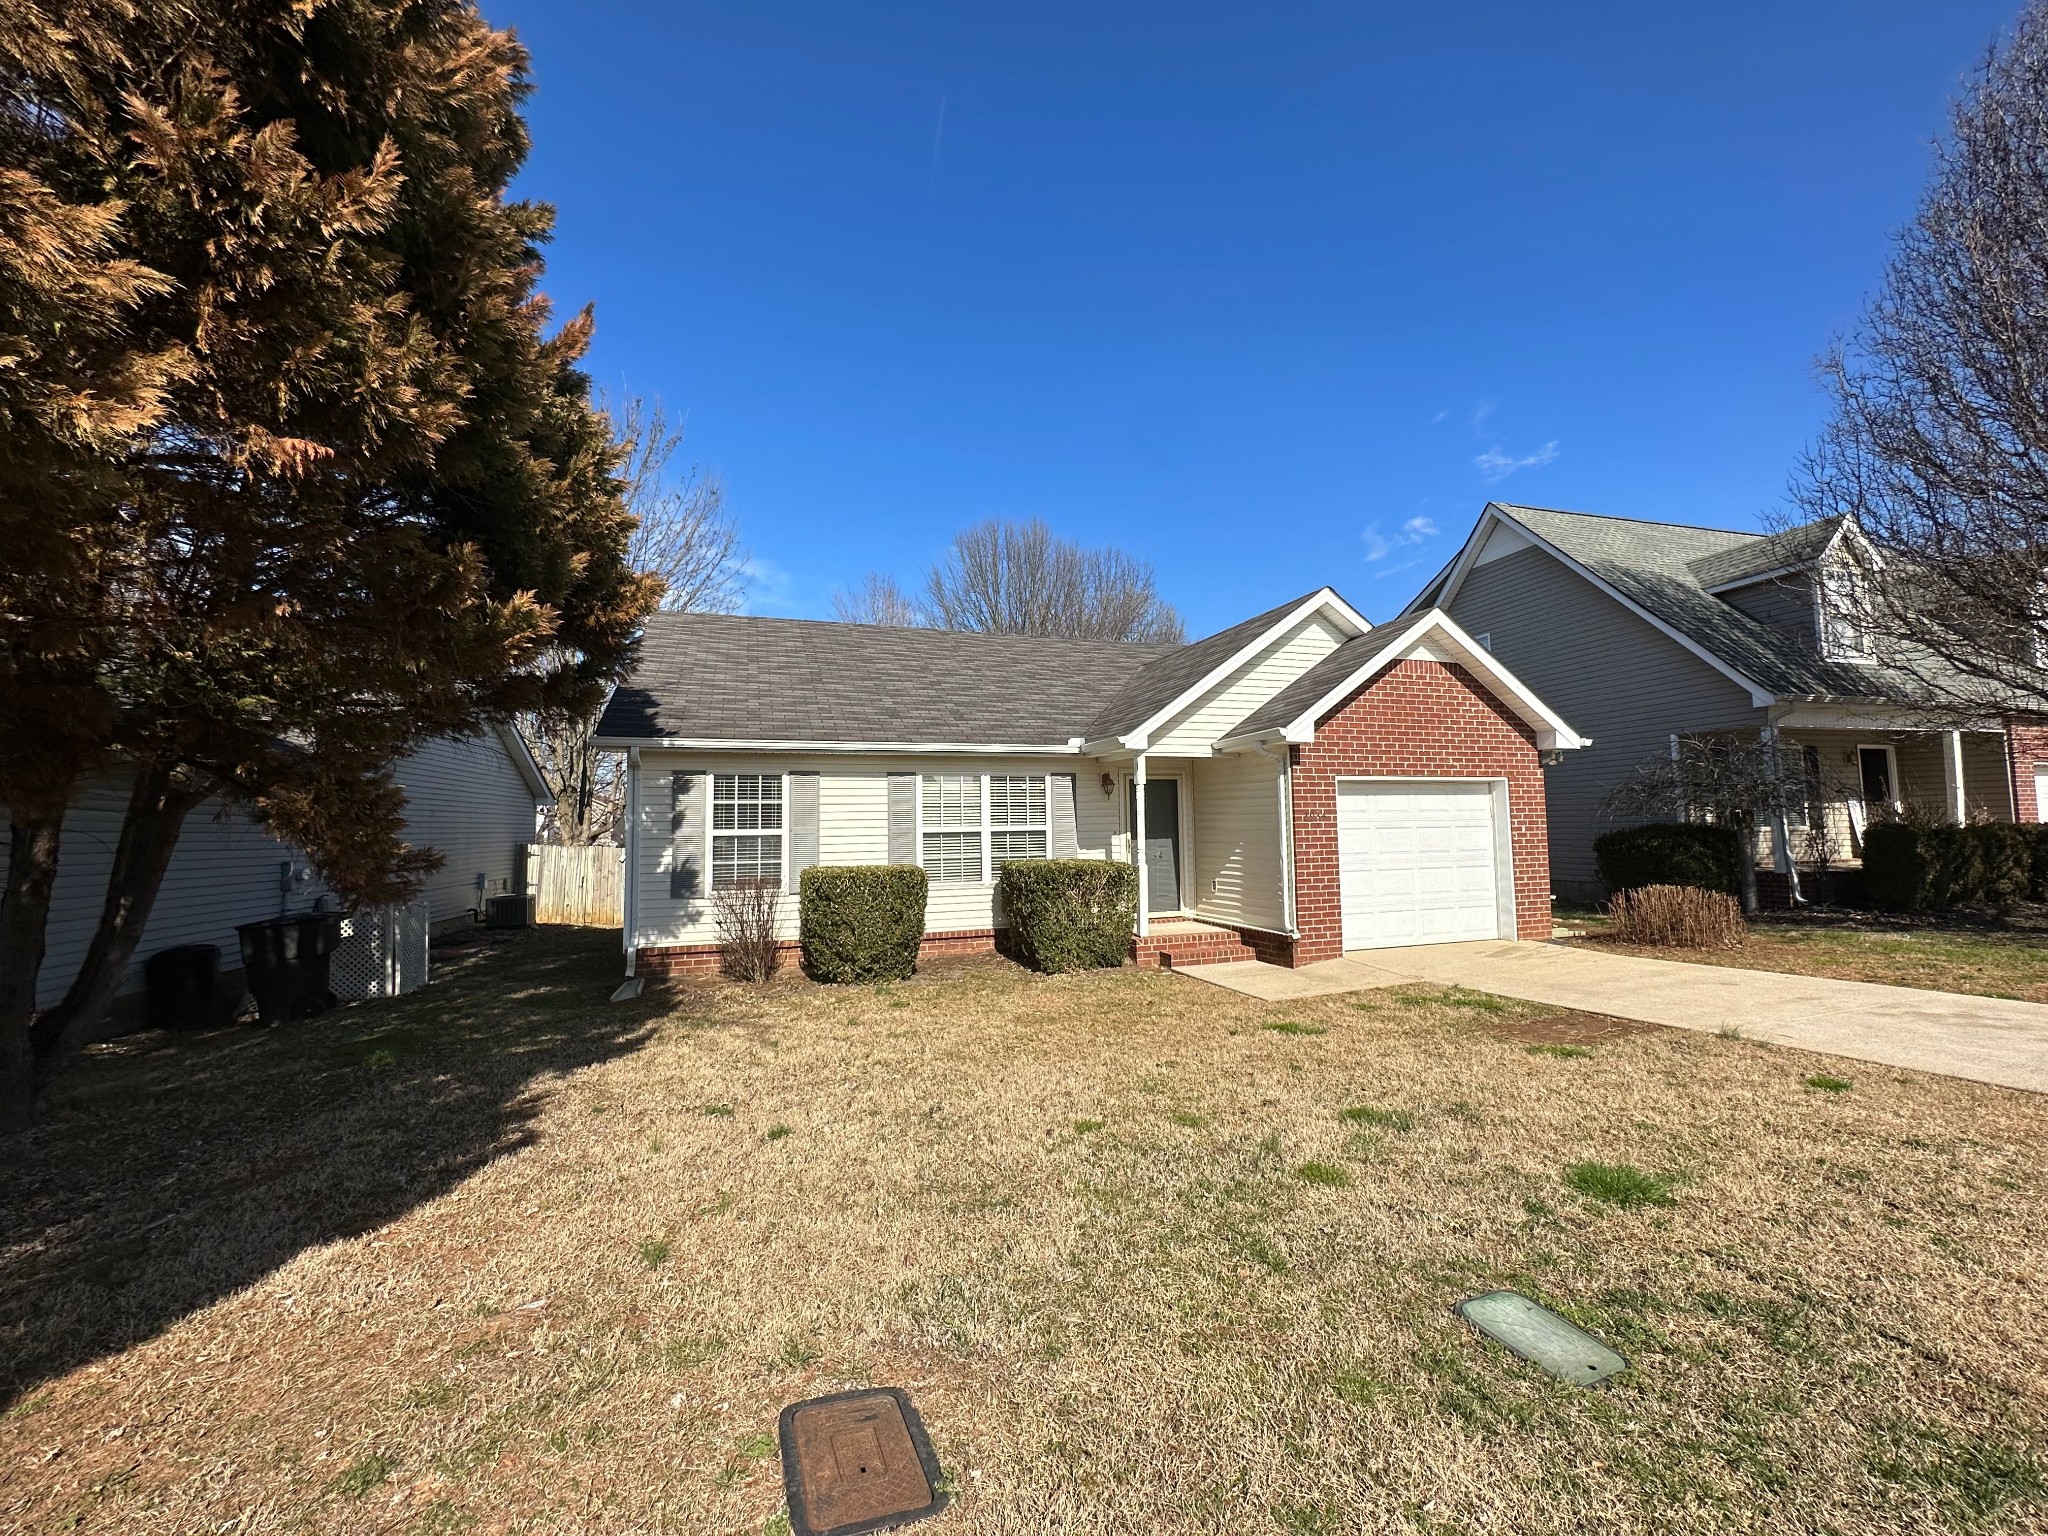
x=184 y=987
x=286 y=959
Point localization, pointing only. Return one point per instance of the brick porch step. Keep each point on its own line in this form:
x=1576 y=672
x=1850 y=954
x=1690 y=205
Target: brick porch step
x=1177 y=944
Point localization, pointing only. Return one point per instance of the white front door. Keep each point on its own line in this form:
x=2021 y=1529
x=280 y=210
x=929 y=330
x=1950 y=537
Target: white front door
x=2040 y=793
x=1417 y=861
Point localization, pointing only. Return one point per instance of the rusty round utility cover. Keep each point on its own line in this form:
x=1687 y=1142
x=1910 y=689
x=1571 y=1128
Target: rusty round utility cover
x=857 y=1462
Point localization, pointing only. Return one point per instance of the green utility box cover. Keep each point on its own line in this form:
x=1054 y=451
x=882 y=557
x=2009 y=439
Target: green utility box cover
x=1542 y=1338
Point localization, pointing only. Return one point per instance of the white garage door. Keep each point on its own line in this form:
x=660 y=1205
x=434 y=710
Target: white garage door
x=1417 y=862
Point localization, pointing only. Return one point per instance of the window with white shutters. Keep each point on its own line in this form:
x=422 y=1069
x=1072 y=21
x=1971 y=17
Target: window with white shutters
x=970 y=825
x=746 y=828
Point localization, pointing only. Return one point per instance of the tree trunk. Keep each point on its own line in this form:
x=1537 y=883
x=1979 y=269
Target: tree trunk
x=157 y=807
x=32 y=843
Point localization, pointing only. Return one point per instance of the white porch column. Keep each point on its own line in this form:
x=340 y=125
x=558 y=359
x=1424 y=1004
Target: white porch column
x=1138 y=846
x=1781 y=836
x=1952 y=775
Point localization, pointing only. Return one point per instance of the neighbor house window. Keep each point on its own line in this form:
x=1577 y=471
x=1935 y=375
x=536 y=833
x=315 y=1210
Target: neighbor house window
x=746 y=828
x=1845 y=612
x=970 y=825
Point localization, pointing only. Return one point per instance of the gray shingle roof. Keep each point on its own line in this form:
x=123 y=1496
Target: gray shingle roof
x=1179 y=670
x=721 y=677
x=1305 y=690
x=1660 y=566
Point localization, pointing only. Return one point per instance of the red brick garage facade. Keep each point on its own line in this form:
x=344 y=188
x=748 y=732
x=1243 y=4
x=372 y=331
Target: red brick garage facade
x=1421 y=719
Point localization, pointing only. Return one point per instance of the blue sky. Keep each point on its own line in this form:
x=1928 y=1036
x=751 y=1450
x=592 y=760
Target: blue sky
x=1272 y=296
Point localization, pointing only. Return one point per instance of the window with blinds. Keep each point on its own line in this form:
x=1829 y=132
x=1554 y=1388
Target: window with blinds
x=746 y=828
x=951 y=822
x=970 y=825
x=1017 y=825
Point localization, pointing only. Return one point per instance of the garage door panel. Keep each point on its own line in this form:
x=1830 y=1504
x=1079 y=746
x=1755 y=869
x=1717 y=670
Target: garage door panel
x=1417 y=862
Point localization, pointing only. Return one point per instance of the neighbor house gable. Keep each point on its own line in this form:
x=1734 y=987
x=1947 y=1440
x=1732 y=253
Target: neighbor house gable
x=1499 y=534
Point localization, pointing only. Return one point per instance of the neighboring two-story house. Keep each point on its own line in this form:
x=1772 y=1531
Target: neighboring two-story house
x=1641 y=633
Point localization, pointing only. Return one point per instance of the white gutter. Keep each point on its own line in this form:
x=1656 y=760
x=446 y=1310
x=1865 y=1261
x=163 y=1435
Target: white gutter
x=1286 y=798
x=1070 y=748
x=1141 y=851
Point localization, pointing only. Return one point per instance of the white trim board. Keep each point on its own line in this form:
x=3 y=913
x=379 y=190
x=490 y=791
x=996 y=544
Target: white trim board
x=1552 y=733
x=1323 y=599
x=1759 y=695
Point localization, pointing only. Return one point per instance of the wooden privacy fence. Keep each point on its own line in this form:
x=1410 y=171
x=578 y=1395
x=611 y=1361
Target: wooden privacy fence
x=584 y=885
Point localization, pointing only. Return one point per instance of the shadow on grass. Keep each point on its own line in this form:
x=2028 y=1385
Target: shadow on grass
x=169 y=1171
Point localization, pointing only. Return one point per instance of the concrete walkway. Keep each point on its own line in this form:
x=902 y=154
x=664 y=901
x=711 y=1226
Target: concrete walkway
x=1985 y=1039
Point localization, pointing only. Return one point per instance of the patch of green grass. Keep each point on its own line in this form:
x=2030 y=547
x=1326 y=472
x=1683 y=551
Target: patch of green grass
x=433 y=1394
x=1295 y=1027
x=1084 y=1127
x=364 y=1473
x=718 y=1111
x=778 y=1131
x=691 y=1350
x=778 y=1524
x=654 y=1252
x=744 y=1457
x=1324 y=1175
x=1828 y=1084
x=439 y=1518
x=1361 y=1389
x=797 y=1352
x=1382 y=1119
x=1188 y=1118
x=1973 y=1479
x=381 y=1058
x=1619 y=1184
x=1561 y=1052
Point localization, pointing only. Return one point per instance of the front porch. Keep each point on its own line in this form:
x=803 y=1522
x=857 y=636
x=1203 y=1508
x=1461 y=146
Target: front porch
x=1857 y=776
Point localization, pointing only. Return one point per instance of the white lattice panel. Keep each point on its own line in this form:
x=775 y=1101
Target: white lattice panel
x=383 y=952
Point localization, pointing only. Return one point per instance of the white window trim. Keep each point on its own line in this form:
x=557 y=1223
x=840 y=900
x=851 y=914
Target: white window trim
x=1823 y=617
x=712 y=834
x=986 y=827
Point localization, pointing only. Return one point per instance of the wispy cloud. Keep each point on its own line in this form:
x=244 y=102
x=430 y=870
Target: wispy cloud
x=1379 y=545
x=1495 y=465
x=770 y=588
x=1439 y=416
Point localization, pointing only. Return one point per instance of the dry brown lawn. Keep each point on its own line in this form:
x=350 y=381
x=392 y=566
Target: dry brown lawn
x=1906 y=952
x=501 y=1257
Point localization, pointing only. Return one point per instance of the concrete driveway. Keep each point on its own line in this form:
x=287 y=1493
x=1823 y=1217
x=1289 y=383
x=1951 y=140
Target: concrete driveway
x=1986 y=1039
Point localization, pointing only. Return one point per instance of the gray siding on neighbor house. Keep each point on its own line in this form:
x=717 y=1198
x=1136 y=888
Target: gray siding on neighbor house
x=1611 y=675
x=1785 y=603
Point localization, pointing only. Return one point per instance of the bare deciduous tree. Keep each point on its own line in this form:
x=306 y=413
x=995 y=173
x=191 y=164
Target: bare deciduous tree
x=1022 y=579
x=877 y=600
x=1938 y=445
x=1744 y=782
x=685 y=537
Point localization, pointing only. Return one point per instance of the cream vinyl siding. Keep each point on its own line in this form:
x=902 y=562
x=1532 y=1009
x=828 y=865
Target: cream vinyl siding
x=463 y=797
x=1196 y=729
x=1236 y=857
x=853 y=828
x=1615 y=677
x=466 y=799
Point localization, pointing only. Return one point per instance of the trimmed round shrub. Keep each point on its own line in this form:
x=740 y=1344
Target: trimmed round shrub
x=861 y=922
x=1911 y=866
x=1069 y=914
x=1690 y=853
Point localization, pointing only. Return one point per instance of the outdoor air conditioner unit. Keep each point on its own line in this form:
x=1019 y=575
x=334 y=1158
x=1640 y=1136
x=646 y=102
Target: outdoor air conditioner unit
x=508 y=912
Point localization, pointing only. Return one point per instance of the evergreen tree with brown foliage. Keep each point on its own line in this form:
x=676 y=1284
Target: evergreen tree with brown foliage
x=304 y=482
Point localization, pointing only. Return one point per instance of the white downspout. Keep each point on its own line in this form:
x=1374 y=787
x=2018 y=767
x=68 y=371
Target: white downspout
x=1138 y=846
x=1285 y=780
x=1952 y=775
x=1781 y=834
x=629 y=898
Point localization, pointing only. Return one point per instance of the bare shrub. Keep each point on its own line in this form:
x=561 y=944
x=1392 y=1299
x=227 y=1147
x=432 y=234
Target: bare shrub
x=1677 y=917
x=746 y=913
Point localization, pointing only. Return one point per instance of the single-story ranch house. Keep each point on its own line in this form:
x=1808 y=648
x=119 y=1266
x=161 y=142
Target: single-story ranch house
x=1300 y=784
